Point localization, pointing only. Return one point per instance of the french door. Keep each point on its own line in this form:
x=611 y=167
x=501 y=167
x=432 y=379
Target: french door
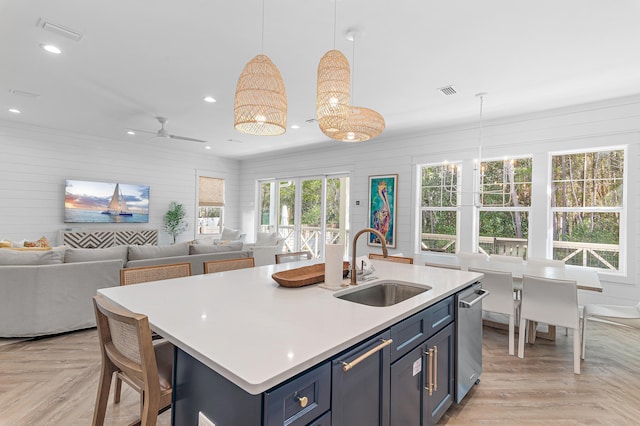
x=307 y=211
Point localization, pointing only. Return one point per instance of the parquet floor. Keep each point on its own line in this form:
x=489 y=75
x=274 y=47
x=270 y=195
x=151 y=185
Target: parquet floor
x=53 y=381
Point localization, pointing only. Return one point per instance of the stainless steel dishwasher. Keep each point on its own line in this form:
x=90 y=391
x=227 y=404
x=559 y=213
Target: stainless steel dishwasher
x=469 y=338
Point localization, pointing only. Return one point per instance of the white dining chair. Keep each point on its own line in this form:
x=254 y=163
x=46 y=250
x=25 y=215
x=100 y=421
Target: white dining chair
x=554 y=302
x=500 y=299
x=621 y=315
x=465 y=257
x=539 y=263
x=504 y=258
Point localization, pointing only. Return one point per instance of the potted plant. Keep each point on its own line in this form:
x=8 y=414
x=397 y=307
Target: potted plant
x=174 y=222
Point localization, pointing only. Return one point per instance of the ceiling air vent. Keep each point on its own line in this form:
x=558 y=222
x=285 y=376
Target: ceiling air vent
x=447 y=90
x=58 y=29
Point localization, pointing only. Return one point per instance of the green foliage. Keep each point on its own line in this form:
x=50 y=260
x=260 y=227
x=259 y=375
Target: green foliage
x=174 y=222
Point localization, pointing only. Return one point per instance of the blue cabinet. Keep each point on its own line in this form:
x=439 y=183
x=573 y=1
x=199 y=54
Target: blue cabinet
x=360 y=384
x=422 y=374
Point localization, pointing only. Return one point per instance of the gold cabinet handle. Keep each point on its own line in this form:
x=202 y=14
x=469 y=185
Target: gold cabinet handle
x=303 y=401
x=435 y=368
x=346 y=366
x=429 y=386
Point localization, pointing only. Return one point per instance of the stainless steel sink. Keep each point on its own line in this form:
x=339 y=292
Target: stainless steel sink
x=383 y=293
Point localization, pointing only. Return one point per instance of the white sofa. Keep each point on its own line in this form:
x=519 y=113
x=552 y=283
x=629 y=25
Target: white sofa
x=49 y=292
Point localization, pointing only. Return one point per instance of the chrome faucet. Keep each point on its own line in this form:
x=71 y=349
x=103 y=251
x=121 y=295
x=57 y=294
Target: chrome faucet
x=385 y=253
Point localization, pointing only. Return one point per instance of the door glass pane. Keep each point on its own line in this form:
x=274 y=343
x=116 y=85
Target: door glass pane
x=337 y=212
x=286 y=212
x=267 y=219
x=311 y=216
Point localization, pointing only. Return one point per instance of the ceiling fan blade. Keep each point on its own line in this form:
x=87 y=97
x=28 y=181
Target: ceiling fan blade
x=143 y=131
x=183 y=138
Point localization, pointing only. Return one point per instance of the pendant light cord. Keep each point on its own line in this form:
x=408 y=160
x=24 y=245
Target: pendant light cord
x=335 y=18
x=353 y=71
x=262 y=35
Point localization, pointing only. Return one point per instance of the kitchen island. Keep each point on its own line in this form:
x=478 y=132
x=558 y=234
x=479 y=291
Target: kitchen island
x=253 y=335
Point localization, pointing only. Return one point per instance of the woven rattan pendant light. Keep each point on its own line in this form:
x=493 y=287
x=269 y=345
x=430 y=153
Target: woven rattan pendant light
x=332 y=97
x=260 y=106
x=362 y=123
x=334 y=87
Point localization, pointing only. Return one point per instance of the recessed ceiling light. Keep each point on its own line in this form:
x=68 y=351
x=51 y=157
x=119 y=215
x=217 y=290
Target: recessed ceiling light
x=207 y=147
x=15 y=111
x=209 y=99
x=51 y=48
x=295 y=126
x=131 y=132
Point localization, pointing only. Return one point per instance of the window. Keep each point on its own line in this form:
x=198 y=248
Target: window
x=210 y=205
x=439 y=207
x=307 y=211
x=505 y=201
x=587 y=207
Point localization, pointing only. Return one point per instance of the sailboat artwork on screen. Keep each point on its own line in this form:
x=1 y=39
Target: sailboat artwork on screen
x=105 y=202
x=117 y=205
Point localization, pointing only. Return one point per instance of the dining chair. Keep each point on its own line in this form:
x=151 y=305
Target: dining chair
x=628 y=316
x=537 y=262
x=500 y=299
x=397 y=259
x=443 y=265
x=504 y=258
x=293 y=256
x=212 y=266
x=144 y=274
x=465 y=257
x=127 y=350
x=550 y=301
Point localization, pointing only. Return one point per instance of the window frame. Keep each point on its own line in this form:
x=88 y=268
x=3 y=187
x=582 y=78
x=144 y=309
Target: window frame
x=200 y=226
x=457 y=208
x=524 y=209
x=623 y=252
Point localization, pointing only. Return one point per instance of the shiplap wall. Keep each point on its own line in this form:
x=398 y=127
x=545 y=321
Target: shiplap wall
x=34 y=164
x=615 y=122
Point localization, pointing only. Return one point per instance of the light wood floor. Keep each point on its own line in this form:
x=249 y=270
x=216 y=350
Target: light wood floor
x=53 y=381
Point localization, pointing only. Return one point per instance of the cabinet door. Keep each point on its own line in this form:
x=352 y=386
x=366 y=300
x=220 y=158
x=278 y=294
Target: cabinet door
x=439 y=365
x=360 y=395
x=407 y=381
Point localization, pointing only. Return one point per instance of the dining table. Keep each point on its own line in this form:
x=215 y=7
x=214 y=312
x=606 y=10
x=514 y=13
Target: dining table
x=586 y=279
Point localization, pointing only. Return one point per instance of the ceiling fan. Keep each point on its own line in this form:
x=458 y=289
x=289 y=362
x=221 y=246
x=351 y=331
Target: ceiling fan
x=162 y=132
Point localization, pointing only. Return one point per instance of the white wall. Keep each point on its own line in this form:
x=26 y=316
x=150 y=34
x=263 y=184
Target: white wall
x=615 y=122
x=34 y=164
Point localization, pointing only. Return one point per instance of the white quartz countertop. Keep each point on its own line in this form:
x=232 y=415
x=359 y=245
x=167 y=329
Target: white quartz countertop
x=253 y=332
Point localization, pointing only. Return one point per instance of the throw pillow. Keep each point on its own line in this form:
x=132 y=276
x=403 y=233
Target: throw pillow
x=229 y=234
x=205 y=241
x=75 y=255
x=12 y=257
x=203 y=249
x=154 y=252
x=266 y=239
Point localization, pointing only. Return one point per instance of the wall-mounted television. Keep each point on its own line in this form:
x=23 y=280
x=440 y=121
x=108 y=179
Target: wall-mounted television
x=105 y=202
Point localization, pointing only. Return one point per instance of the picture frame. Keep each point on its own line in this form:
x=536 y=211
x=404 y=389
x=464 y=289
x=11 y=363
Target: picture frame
x=383 y=190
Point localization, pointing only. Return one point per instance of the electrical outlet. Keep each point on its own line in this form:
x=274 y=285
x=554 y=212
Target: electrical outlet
x=203 y=420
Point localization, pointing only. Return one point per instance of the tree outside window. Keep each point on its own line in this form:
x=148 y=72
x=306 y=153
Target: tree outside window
x=587 y=207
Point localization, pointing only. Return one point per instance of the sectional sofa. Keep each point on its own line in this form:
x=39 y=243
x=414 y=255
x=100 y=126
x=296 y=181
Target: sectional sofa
x=45 y=292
